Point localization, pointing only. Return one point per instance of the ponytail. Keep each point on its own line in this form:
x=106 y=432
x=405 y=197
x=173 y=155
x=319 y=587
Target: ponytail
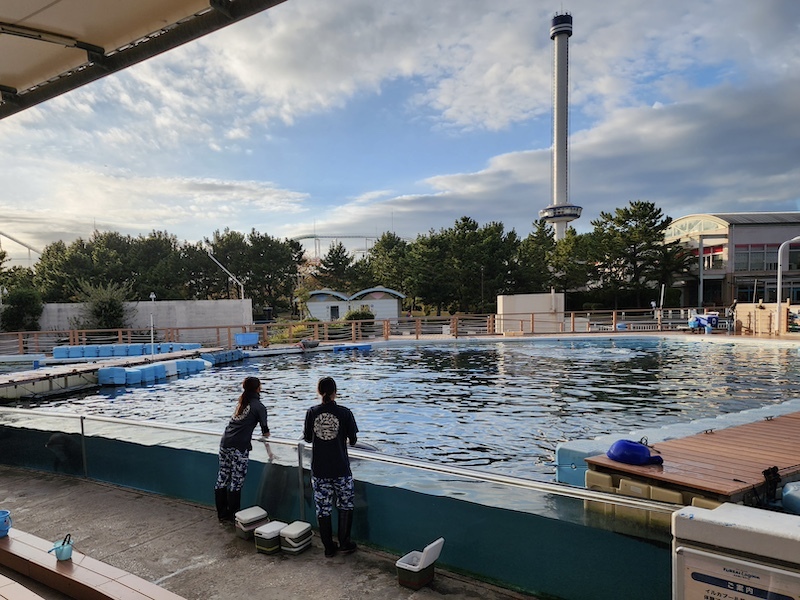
x=326 y=387
x=251 y=386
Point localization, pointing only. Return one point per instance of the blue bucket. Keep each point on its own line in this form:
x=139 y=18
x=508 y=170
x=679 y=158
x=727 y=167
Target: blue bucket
x=5 y=523
x=63 y=549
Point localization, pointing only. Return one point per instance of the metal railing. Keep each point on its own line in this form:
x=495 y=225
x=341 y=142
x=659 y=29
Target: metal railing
x=178 y=433
x=392 y=492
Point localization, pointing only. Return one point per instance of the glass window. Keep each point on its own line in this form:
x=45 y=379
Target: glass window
x=771 y=258
x=794 y=259
x=741 y=259
x=756 y=259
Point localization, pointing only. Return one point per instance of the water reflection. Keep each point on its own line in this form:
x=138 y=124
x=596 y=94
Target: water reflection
x=500 y=406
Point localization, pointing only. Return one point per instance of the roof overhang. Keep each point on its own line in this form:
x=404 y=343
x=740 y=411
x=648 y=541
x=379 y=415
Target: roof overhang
x=49 y=47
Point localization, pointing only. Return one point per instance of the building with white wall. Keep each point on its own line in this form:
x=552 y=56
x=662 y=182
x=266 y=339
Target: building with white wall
x=329 y=305
x=739 y=256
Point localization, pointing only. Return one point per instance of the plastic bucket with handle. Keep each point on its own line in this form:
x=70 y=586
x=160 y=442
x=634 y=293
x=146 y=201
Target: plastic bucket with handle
x=5 y=522
x=63 y=549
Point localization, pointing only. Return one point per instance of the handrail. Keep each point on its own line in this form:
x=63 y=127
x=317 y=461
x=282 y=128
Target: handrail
x=558 y=489
x=455 y=326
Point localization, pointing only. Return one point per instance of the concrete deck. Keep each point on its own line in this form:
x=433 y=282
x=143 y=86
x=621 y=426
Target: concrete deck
x=181 y=547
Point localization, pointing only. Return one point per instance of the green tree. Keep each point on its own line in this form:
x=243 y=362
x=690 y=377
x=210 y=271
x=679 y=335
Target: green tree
x=362 y=275
x=534 y=273
x=273 y=269
x=334 y=271
x=195 y=272
x=59 y=266
x=430 y=278
x=232 y=251
x=572 y=264
x=17 y=277
x=389 y=261
x=497 y=252
x=153 y=265
x=671 y=262
x=22 y=308
x=629 y=241
x=481 y=261
x=103 y=305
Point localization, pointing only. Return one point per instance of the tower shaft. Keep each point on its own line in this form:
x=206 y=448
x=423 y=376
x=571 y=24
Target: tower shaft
x=560 y=212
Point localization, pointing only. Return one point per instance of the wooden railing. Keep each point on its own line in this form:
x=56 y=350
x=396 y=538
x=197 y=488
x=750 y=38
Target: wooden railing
x=292 y=332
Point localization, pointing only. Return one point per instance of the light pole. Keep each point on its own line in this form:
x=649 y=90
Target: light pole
x=231 y=275
x=152 y=328
x=780 y=280
x=482 y=287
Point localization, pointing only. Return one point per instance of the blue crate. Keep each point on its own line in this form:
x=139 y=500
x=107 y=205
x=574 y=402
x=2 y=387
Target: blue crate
x=111 y=376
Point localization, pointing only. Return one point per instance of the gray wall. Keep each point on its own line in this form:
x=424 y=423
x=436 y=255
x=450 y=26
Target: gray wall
x=166 y=313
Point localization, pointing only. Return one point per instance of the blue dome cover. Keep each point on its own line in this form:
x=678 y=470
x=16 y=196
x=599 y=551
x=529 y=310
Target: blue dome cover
x=632 y=453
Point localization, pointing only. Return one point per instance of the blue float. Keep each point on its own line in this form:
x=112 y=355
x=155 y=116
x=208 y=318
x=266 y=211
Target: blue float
x=632 y=453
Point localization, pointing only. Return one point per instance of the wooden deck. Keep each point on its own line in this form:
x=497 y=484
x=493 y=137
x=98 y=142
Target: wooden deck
x=61 y=378
x=726 y=464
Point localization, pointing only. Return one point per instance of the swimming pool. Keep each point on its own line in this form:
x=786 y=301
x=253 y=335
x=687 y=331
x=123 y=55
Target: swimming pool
x=502 y=406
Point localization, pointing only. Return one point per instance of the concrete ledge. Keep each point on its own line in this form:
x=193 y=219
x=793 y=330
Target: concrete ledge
x=82 y=577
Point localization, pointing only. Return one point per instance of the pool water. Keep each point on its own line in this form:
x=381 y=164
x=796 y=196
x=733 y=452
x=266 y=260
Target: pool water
x=501 y=406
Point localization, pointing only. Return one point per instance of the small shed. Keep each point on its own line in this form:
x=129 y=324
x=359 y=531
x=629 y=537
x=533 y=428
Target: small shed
x=327 y=305
x=380 y=301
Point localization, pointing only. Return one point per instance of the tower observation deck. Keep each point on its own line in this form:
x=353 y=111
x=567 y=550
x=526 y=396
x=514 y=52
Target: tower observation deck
x=560 y=211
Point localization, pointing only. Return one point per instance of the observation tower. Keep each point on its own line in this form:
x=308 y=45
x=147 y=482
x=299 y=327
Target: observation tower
x=560 y=211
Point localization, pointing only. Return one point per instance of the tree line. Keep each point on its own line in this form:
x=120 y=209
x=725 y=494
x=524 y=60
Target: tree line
x=622 y=262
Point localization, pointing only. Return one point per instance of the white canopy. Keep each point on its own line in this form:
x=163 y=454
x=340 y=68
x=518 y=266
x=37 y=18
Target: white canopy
x=49 y=47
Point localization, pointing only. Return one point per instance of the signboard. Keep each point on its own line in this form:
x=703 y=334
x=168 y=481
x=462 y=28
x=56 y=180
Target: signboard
x=702 y=575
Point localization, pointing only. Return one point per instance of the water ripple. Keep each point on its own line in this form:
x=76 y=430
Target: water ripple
x=502 y=407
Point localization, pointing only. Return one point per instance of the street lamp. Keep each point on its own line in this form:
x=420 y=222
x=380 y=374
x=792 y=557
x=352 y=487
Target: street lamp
x=152 y=328
x=780 y=280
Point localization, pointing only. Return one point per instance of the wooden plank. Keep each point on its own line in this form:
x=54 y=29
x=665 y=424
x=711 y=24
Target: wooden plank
x=726 y=463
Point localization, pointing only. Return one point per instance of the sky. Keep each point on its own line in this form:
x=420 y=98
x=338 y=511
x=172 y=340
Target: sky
x=360 y=117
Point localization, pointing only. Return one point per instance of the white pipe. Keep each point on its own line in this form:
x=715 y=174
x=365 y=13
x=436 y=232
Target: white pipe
x=780 y=281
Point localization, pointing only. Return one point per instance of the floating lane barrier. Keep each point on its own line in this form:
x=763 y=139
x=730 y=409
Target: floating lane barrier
x=146 y=374
x=161 y=371
x=111 y=376
x=117 y=350
x=132 y=376
x=223 y=356
x=348 y=347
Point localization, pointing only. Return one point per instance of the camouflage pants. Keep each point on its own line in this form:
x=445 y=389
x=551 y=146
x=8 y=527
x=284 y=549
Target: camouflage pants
x=325 y=490
x=232 y=469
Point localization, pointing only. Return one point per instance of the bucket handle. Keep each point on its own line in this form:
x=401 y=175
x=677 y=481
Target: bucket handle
x=67 y=542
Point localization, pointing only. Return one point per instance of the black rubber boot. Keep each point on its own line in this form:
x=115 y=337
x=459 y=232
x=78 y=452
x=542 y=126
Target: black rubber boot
x=326 y=534
x=345 y=525
x=221 y=500
x=234 y=503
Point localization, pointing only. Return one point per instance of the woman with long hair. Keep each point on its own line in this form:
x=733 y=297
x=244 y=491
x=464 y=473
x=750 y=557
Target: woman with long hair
x=235 y=446
x=330 y=426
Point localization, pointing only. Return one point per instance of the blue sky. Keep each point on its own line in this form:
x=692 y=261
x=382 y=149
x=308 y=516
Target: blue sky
x=359 y=117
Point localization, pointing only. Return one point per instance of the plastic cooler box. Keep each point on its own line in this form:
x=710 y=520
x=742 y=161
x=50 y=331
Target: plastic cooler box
x=250 y=519
x=296 y=537
x=268 y=537
x=415 y=569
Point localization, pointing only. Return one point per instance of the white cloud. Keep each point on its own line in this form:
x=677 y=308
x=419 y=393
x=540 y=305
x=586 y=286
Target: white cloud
x=687 y=104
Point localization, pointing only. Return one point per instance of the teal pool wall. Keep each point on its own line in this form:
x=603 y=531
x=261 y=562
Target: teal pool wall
x=539 y=555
